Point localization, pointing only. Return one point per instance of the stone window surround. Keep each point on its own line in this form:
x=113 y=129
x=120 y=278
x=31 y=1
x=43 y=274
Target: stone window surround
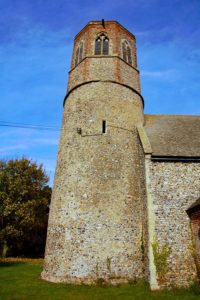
x=79 y=53
x=103 y=37
x=126 y=51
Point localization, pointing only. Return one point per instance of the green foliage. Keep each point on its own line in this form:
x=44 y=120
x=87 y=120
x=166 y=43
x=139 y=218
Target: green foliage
x=24 y=203
x=142 y=244
x=161 y=255
x=193 y=252
x=108 y=261
x=191 y=247
x=97 y=269
x=22 y=282
x=101 y=282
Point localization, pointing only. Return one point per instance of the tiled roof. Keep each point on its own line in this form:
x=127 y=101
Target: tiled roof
x=173 y=135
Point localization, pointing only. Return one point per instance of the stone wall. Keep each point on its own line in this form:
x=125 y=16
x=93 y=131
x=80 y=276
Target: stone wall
x=104 y=68
x=174 y=186
x=195 y=225
x=97 y=215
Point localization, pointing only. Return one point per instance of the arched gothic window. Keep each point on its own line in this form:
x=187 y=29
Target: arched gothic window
x=126 y=52
x=102 y=45
x=79 y=54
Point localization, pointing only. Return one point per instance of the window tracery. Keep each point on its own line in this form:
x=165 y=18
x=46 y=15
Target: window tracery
x=79 y=54
x=102 y=45
x=126 y=52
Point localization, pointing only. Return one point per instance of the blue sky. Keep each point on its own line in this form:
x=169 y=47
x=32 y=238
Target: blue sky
x=36 y=39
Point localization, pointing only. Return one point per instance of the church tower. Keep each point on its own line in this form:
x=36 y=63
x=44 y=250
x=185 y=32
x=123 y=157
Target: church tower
x=97 y=221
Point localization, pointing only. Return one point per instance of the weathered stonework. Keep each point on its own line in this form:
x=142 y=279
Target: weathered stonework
x=97 y=213
x=116 y=33
x=96 y=224
x=174 y=187
x=124 y=180
x=104 y=69
x=194 y=215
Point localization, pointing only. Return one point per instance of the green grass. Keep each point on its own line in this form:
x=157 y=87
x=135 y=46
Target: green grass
x=21 y=281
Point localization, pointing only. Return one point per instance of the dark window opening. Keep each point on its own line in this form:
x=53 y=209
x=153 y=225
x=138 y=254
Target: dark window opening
x=98 y=46
x=126 y=52
x=199 y=234
x=79 y=54
x=105 y=46
x=129 y=55
x=103 y=126
x=102 y=45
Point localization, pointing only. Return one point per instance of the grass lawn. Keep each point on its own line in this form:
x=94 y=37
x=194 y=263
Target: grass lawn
x=20 y=280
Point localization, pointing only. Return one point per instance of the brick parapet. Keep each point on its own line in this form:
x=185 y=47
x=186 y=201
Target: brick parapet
x=99 y=23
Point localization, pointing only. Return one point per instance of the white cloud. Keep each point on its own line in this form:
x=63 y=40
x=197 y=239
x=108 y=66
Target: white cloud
x=165 y=74
x=7 y=149
x=46 y=141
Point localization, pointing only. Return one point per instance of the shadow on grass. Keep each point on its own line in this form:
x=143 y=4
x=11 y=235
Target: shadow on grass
x=10 y=264
x=21 y=282
x=11 y=261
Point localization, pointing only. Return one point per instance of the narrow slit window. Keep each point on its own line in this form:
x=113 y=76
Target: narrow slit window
x=129 y=55
x=105 y=46
x=124 y=51
x=81 y=52
x=98 y=46
x=77 y=56
x=103 y=126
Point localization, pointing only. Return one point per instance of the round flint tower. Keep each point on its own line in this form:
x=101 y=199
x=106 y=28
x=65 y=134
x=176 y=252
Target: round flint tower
x=96 y=223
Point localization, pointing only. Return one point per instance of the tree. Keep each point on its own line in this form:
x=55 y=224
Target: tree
x=24 y=205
